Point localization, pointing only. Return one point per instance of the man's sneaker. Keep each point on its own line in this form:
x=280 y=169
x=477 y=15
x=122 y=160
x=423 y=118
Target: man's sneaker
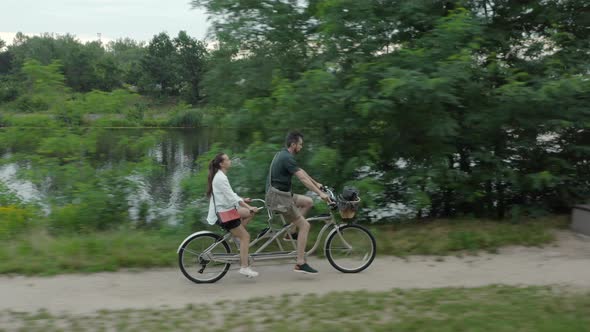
x=305 y=268
x=263 y=233
x=287 y=238
x=248 y=272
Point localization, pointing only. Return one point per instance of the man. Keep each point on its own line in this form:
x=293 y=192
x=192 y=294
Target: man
x=280 y=197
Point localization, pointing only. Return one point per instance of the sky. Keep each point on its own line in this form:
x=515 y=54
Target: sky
x=112 y=19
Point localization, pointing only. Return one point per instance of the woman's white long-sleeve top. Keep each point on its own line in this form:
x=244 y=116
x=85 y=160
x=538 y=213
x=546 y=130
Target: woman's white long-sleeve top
x=225 y=197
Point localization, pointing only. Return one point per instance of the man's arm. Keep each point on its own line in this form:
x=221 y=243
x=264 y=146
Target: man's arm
x=317 y=184
x=310 y=184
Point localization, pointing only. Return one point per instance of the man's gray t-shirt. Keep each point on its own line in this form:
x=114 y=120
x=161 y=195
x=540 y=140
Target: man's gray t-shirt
x=282 y=170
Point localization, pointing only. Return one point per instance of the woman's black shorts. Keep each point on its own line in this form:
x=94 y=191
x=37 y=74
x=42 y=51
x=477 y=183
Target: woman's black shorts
x=230 y=224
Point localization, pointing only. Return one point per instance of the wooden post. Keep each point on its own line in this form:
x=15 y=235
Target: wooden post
x=581 y=219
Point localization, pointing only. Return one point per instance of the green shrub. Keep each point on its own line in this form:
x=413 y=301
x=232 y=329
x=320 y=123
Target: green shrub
x=8 y=92
x=67 y=218
x=100 y=102
x=68 y=115
x=31 y=104
x=186 y=118
x=7 y=196
x=135 y=113
x=153 y=122
x=98 y=204
x=14 y=220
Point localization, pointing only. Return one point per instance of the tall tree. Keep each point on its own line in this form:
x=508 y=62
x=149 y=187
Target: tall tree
x=160 y=68
x=127 y=55
x=191 y=55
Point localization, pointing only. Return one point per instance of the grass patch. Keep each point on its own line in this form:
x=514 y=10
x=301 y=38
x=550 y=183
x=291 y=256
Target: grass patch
x=493 y=308
x=38 y=253
x=41 y=254
x=443 y=237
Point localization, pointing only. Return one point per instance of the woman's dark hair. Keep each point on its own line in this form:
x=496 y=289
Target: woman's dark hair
x=213 y=168
x=293 y=137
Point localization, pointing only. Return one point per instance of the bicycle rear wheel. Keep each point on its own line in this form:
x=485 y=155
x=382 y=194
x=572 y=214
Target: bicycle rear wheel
x=350 y=248
x=197 y=266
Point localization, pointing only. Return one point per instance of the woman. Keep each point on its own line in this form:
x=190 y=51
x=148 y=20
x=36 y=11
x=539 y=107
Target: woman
x=218 y=188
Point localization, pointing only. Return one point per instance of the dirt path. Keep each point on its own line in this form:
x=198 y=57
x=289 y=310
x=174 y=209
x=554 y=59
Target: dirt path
x=565 y=263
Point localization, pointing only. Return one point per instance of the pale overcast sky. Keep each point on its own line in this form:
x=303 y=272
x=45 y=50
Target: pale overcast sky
x=113 y=19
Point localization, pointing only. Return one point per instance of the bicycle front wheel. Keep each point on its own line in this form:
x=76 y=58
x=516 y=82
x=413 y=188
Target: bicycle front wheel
x=350 y=248
x=195 y=261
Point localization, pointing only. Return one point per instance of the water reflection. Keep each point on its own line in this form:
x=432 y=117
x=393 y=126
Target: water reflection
x=159 y=192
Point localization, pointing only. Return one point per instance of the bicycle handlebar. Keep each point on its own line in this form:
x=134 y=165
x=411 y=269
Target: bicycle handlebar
x=259 y=200
x=331 y=195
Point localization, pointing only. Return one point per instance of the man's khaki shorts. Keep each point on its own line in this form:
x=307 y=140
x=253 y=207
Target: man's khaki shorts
x=288 y=205
x=293 y=212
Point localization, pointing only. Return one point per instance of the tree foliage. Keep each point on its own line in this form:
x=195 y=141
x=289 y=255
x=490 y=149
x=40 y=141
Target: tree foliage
x=449 y=107
x=462 y=107
x=163 y=68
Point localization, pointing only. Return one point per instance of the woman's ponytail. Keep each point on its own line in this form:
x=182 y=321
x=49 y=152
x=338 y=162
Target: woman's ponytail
x=214 y=166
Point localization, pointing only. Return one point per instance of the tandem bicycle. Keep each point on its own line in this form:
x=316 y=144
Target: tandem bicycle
x=206 y=256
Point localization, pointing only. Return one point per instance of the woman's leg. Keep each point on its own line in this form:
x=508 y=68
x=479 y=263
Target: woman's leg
x=241 y=233
x=245 y=215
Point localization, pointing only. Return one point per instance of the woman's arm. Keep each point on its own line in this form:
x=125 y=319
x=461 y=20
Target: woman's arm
x=249 y=207
x=228 y=195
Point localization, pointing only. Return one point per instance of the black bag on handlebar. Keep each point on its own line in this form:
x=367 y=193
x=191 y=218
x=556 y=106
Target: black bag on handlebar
x=349 y=202
x=350 y=194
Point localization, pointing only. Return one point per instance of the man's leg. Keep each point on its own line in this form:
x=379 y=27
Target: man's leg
x=294 y=215
x=302 y=266
x=303 y=227
x=303 y=203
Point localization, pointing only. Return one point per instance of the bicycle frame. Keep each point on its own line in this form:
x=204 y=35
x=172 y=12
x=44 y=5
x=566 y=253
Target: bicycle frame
x=260 y=255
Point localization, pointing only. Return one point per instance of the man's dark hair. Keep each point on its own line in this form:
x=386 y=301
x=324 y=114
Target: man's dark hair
x=293 y=137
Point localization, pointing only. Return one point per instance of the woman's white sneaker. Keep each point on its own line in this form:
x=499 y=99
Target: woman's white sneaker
x=248 y=272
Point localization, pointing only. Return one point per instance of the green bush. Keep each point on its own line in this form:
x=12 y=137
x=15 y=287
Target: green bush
x=7 y=196
x=100 y=203
x=8 y=91
x=31 y=104
x=186 y=118
x=14 y=220
x=68 y=218
x=135 y=113
x=153 y=122
x=68 y=115
x=95 y=214
x=101 y=102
